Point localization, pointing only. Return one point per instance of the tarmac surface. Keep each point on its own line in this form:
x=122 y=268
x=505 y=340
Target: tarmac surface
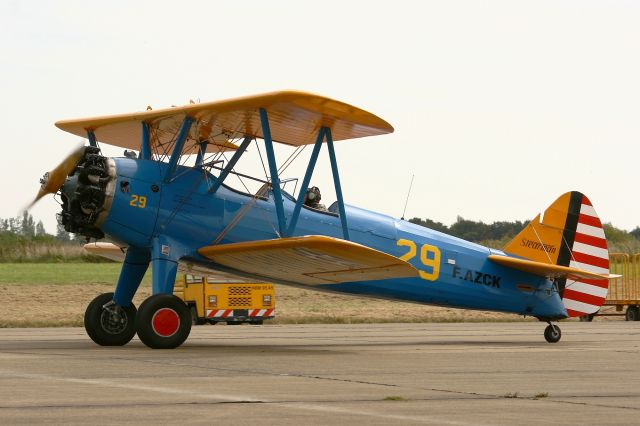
x=374 y=374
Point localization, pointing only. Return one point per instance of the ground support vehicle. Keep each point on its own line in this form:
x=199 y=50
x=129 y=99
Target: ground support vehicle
x=623 y=297
x=233 y=303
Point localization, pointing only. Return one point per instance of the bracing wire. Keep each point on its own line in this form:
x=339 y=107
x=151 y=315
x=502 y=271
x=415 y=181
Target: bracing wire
x=266 y=175
x=299 y=149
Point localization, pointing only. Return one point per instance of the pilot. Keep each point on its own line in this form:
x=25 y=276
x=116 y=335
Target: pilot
x=312 y=198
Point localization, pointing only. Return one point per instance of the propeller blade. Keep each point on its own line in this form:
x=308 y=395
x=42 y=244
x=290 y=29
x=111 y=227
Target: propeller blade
x=52 y=181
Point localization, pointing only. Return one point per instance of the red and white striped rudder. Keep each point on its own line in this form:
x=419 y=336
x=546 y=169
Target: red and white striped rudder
x=588 y=252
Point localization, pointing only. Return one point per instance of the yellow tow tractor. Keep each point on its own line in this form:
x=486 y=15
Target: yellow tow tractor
x=233 y=303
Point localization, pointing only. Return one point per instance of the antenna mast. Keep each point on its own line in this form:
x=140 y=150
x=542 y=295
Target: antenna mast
x=407 y=200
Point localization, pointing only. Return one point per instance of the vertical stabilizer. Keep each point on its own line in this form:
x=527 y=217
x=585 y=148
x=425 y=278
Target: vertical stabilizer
x=569 y=233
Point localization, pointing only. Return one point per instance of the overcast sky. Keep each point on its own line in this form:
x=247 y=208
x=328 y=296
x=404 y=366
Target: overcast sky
x=499 y=106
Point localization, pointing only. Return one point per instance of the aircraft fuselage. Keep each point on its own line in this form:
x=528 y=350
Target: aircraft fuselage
x=181 y=216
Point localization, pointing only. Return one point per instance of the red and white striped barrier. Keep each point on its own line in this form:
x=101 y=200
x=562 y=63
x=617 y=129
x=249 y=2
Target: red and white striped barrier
x=229 y=313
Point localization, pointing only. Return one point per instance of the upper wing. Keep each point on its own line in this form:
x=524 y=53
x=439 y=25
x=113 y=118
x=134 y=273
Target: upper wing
x=548 y=270
x=309 y=260
x=294 y=119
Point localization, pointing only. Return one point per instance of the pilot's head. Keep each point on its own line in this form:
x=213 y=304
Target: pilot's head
x=313 y=195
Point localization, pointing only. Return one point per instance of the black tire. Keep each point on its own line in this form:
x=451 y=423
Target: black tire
x=163 y=321
x=587 y=318
x=256 y=322
x=195 y=319
x=552 y=334
x=111 y=326
x=632 y=314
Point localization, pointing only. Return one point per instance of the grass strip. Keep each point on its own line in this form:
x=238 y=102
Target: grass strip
x=61 y=273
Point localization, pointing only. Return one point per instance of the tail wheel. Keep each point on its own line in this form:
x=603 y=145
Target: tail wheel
x=163 y=321
x=109 y=324
x=587 y=318
x=552 y=333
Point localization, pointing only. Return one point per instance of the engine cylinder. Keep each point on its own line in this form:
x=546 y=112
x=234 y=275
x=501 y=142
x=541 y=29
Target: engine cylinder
x=87 y=194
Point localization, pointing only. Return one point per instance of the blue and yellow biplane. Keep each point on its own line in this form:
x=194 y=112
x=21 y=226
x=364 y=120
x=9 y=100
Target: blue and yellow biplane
x=169 y=205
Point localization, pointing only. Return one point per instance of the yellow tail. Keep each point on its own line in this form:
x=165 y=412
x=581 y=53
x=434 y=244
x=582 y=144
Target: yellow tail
x=569 y=233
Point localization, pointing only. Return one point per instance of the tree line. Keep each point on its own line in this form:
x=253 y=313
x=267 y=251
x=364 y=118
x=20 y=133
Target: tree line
x=497 y=234
x=24 y=239
x=25 y=226
x=477 y=232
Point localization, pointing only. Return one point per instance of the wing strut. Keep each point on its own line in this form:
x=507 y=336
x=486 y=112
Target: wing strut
x=145 y=145
x=305 y=182
x=202 y=150
x=92 y=138
x=177 y=150
x=323 y=133
x=336 y=182
x=273 y=169
x=231 y=164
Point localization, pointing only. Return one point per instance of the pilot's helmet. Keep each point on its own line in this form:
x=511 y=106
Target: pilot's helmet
x=313 y=194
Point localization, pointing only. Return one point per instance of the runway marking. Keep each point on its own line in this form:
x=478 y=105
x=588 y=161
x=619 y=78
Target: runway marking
x=230 y=398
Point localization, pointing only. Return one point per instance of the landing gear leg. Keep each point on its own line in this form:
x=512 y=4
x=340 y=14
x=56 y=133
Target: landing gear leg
x=110 y=318
x=163 y=320
x=552 y=333
x=136 y=263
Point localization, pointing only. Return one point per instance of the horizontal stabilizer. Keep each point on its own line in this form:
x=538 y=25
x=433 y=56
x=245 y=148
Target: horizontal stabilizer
x=309 y=260
x=548 y=270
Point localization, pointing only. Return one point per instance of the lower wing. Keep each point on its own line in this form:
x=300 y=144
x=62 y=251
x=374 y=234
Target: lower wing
x=311 y=260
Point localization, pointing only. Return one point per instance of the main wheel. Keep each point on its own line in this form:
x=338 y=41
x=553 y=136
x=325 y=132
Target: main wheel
x=163 y=321
x=552 y=333
x=109 y=324
x=632 y=314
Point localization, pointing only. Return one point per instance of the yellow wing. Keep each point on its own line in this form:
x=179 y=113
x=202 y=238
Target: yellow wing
x=106 y=250
x=548 y=270
x=309 y=260
x=294 y=119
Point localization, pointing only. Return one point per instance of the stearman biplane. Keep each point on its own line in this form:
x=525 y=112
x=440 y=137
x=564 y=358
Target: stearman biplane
x=166 y=208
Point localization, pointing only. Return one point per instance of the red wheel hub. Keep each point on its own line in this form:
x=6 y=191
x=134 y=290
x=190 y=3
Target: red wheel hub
x=165 y=322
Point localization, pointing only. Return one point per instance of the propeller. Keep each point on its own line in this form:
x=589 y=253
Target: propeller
x=52 y=181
